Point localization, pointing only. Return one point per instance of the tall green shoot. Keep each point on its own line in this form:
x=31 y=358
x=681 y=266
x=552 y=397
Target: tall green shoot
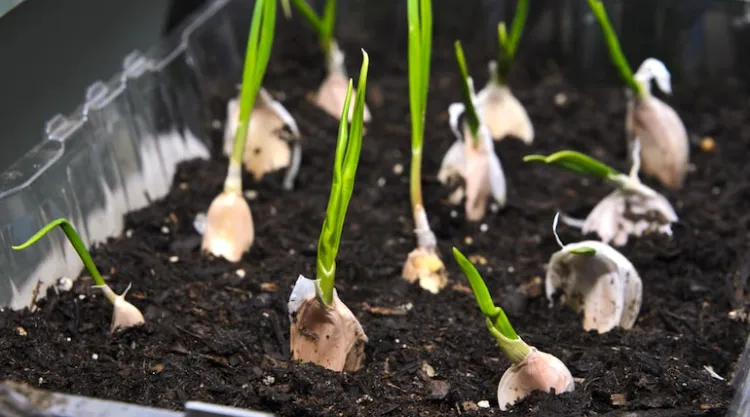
x=257 y=55
x=467 y=90
x=322 y=25
x=348 y=147
x=615 y=52
x=497 y=321
x=509 y=45
x=420 y=48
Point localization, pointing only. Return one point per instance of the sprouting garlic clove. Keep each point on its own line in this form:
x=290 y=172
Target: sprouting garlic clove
x=229 y=227
x=328 y=336
x=539 y=371
x=604 y=285
x=665 y=146
x=623 y=213
x=504 y=114
x=125 y=314
x=266 y=148
x=425 y=267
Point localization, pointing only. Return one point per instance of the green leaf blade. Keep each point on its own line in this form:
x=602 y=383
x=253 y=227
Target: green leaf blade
x=74 y=239
x=576 y=162
x=472 y=118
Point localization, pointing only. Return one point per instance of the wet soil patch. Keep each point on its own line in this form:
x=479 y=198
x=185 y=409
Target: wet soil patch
x=218 y=332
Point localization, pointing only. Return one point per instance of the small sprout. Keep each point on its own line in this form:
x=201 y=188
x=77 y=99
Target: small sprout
x=229 y=230
x=268 y=146
x=323 y=329
x=632 y=209
x=471 y=166
x=125 y=314
x=597 y=280
x=501 y=110
x=666 y=146
x=423 y=264
x=531 y=369
x=332 y=92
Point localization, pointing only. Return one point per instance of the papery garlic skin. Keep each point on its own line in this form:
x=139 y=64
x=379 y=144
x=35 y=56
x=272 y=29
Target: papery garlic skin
x=125 y=314
x=622 y=214
x=332 y=92
x=502 y=112
x=539 y=371
x=266 y=148
x=604 y=286
x=229 y=227
x=329 y=336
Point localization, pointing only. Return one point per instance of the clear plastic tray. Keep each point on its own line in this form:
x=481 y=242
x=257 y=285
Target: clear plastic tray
x=118 y=150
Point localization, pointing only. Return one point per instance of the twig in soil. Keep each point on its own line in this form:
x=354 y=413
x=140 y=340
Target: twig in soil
x=633 y=208
x=125 y=314
x=471 y=166
x=229 y=223
x=423 y=265
x=500 y=109
x=323 y=329
x=654 y=123
x=596 y=279
x=531 y=369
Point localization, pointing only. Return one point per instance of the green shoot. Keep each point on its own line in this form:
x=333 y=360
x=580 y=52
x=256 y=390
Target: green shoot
x=468 y=94
x=348 y=147
x=615 y=52
x=583 y=164
x=583 y=251
x=576 y=162
x=420 y=48
x=497 y=321
x=509 y=45
x=322 y=25
x=258 y=52
x=75 y=240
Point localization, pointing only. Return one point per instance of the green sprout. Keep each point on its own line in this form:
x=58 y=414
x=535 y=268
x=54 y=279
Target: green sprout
x=509 y=45
x=257 y=55
x=125 y=314
x=322 y=25
x=467 y=91
x=583 y=164
x=420 y=47
x=615 y=52
x=348 y=147
x=514 y=348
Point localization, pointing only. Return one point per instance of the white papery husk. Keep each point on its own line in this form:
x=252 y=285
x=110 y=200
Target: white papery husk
x=474 y=173
x=329 y=336
x=665 y=146
x=267 y=147
x=539 y=371
x=502 y=112
x=229 y=230
x=604 y=285
x=331 y=94
x=625 y=213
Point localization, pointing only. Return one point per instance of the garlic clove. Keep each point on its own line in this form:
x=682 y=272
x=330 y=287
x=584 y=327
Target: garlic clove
x=329 y=336
x=229 y=227
x=665 y=147
x=503 y=114
x=604 y=285
x=623 y=213
x=125 y=314
x=539 y=371
x=425 y=267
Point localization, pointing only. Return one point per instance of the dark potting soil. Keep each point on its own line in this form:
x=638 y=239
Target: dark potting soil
x=218 y=332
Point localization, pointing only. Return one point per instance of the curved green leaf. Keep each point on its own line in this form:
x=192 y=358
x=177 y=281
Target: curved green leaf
x=508 y=45
x=576 y=162
x=74 y=239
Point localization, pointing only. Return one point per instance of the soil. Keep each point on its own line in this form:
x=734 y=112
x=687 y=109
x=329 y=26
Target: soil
x=218 y=332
